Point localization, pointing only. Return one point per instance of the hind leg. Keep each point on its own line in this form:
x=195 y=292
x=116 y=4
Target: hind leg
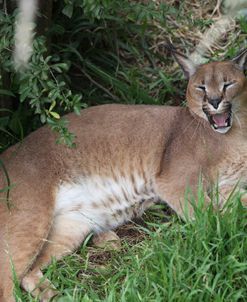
x=67 y=233
x=35 y=282
x=21 y=240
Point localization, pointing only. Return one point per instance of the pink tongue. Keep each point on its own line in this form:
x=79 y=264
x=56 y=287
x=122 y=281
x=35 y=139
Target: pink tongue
x=220 y=119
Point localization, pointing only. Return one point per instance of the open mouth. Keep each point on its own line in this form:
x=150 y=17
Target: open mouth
x=220 y=122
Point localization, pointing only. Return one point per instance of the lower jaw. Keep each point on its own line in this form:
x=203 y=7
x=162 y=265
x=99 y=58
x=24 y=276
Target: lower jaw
x=222 y=130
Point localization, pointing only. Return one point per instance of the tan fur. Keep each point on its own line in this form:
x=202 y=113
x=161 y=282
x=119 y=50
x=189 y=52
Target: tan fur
x=169 y=148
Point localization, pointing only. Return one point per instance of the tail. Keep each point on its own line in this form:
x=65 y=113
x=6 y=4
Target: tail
x=24 y=32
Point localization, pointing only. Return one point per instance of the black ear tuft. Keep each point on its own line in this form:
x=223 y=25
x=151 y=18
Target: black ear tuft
x=241 y=59
x=187 y=65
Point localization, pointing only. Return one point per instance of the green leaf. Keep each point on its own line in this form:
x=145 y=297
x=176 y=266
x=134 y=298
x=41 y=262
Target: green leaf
x=55 y=115
x=68 y=10
x=77 y=109
x=6 y=92
x=53 y=104
x=43 y=118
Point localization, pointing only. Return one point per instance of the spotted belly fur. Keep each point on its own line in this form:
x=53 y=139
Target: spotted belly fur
x=103 y=203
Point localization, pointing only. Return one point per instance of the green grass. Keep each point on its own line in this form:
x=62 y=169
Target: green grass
x=200 y=260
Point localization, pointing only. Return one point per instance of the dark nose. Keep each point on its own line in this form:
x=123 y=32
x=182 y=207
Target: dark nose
x=215 y=102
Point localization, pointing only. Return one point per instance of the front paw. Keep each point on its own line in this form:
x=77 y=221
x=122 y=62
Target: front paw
x=108 y=240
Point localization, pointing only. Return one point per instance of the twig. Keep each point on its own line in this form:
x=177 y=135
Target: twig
x=8 y=182
x=114 y=97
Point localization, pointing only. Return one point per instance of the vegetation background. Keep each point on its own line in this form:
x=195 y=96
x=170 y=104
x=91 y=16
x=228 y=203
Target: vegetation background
x=91 y=52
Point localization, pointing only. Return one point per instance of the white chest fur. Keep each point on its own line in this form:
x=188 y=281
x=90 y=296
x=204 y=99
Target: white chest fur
x=103 y=203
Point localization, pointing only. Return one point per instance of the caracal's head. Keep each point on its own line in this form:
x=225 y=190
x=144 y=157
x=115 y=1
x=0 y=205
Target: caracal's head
x=216 y=91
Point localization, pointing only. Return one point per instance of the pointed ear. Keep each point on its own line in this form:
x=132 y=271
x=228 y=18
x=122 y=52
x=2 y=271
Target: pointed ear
x=241 y=59
x=187 y=65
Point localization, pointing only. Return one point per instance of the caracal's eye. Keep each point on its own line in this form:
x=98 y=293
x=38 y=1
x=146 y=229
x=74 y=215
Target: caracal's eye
x=201 y=88
x=228 y=85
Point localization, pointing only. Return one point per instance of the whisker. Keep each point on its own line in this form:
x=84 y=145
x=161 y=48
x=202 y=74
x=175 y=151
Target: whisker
x=192 y=121
x=197 y=126
x=238 y=120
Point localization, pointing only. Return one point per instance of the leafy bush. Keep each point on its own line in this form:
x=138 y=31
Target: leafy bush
x=96 y=52
x=106 y=58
